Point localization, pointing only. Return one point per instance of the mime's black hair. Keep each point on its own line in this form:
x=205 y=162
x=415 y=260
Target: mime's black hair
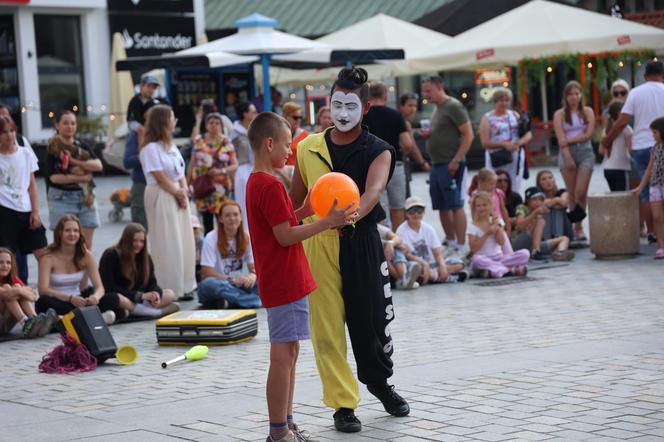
x=352 y=79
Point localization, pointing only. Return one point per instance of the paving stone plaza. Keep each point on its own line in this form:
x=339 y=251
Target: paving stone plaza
x=572 y=352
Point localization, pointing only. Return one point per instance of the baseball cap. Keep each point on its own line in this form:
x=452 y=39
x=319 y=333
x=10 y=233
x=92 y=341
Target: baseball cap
x=534 y=192
x=149 y=79
x=414 y=201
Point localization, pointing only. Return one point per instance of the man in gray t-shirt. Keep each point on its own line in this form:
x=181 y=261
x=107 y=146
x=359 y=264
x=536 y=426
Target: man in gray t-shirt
x=449 y=140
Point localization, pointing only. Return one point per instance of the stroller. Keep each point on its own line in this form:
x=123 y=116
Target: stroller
x=120 y=199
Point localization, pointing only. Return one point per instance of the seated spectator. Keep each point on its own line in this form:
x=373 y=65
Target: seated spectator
x=530 y=226
x=225 y=251
x=127 y=269
x=486 y=180
x=404 y=272
x=512 y=199
x=557 y=222
x=64 y=271
x=487 y=237
x=17 y=303
x=424 y=246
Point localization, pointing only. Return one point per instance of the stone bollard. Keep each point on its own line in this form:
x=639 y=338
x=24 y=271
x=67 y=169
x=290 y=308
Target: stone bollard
x=614 y=224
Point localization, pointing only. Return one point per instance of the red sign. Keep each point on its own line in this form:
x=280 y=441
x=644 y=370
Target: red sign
x=14 y=1
x=624 y=40
x=485 y=54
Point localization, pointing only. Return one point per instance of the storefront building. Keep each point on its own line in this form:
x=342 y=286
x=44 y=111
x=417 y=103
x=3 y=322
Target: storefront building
x=55 y=54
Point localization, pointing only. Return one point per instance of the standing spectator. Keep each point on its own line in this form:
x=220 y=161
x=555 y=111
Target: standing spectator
x=617 y=159
x=141 y=102
x=226 y=250
x=22 y=230
x=644 y=103
x=388 y=125
x=64 y=192
x=292 y=114
x=449 y=141
x=127 y=269
x=167 y=205
x=499 y=133
x=208 y=107
x=408 y=108
x=132 y=161
x=211 y=167
x=619 y=91
x=245 y=156
x=323 y=119
x=64 y=271
x=654 y=176
x=574 y=124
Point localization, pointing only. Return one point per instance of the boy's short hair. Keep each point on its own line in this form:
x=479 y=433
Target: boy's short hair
x=658 y=125
x=266 y=125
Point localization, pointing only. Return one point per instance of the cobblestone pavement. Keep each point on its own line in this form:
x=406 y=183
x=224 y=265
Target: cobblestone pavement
x=574 y=352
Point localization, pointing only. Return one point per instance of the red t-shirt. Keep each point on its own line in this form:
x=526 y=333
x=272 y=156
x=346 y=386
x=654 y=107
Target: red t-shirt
x=293 y=158
x=283 y=272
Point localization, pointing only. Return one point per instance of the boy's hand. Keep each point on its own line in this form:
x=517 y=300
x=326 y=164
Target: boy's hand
x=338 y=217
x=542 y=210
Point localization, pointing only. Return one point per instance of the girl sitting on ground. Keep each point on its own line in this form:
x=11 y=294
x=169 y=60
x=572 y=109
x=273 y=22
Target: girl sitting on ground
x=226 y=250
x=17 y=303
x=64 y=271
x=487 y=181
x=555 y=199
x=487 y=237
x=127 y=269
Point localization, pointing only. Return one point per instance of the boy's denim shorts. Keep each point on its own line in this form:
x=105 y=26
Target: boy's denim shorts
x=289 y=322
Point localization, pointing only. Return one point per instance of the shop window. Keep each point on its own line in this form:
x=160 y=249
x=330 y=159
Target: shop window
x=60 y=65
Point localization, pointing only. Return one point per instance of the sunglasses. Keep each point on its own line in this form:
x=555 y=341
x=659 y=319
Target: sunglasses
x=619 y=93
x=415 y=211
x=297 y=117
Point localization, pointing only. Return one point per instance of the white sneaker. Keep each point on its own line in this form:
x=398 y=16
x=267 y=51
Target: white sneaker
x=109 y=317
x=410 y=277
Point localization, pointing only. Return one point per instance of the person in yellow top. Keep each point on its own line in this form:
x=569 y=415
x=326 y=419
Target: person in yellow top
x=349 y=265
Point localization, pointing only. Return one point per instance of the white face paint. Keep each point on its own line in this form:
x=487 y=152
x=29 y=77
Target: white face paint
x=346 y=110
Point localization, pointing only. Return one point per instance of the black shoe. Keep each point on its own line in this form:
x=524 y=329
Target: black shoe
x=346 y=421
x=577 y=214
x=652 y=239
x=189 y=296
x=393 y=403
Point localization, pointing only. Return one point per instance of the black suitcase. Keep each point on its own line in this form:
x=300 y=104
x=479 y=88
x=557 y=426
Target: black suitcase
x=87 y=326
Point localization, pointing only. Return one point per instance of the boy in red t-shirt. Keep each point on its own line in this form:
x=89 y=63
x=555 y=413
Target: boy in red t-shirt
x=283 y=273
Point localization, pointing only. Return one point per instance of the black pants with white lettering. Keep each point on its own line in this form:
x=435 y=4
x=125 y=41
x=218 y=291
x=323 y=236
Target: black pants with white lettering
x=368 y=302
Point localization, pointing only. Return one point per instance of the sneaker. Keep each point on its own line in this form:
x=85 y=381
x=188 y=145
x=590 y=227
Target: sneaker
x=563 y=255
x=109 y=317
x=576 y=215
x=659 y=254
x=346 y=421
x=32 y=326
x=652 y=239
x=410 y=278
x=170 y=308
x=462 y=275
x=452 y=278
x=302 y=435
x=50 y=319
x=393 y=403
x=189 y=296
x=539 y=256
x=290 y=437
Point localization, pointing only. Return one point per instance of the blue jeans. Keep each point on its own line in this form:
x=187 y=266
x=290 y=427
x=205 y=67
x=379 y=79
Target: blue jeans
x=640 y=160
x=213 y=290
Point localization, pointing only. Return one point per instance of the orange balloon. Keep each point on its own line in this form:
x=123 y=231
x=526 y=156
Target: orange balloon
x=331 y=186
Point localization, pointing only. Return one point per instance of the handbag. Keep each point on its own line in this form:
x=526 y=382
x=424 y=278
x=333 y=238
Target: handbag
x=500 y=157
x=203 y=186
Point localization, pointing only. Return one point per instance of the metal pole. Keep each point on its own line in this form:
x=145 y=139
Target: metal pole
x=545 y=111
x=267 y=92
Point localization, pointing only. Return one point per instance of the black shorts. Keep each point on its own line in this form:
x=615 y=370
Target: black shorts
x=16 y=234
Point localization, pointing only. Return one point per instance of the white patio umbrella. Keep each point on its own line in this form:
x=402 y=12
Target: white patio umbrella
x=378 y=32
x=539 y=28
